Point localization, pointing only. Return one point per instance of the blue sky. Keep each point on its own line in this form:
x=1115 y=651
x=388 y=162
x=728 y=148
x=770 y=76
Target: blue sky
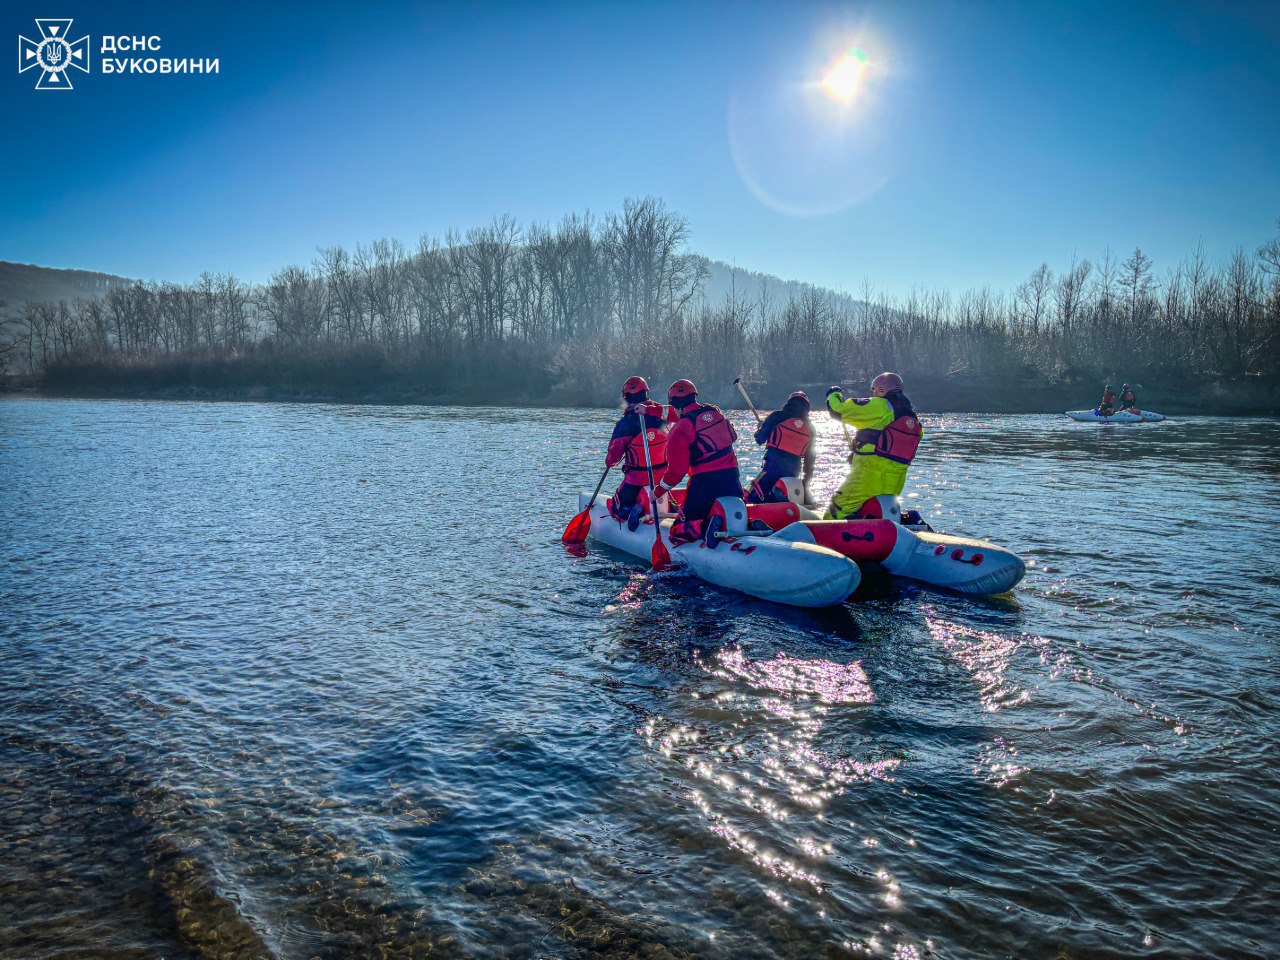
x=985 y=138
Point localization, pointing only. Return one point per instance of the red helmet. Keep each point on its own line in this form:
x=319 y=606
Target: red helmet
x=799 y=395
x=682 y=388
x=886 y=382
x=634 y=385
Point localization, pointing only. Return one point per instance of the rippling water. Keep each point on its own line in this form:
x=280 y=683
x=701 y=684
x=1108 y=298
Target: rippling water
x=320 y=681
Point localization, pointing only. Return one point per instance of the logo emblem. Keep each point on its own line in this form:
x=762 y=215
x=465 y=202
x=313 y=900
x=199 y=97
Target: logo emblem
x=53 y=54
x=798 y=423
x=707 y=417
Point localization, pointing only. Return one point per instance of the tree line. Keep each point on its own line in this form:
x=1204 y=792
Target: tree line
x=565 y=311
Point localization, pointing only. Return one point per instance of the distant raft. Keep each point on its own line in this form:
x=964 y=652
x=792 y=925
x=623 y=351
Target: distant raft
x=1132 y=415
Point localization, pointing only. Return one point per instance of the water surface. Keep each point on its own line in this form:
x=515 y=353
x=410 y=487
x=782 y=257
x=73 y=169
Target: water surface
x=320 y=681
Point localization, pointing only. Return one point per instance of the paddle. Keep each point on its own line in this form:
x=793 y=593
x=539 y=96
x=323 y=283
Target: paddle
x=743 y=390
x=580 y=526
x=659 y=556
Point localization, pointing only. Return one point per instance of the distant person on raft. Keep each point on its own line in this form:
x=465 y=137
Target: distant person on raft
x=1127 y=400
x=788 y=438
x=626 y=444
x=1107 y=405
x=701 y=445
x=888 y=433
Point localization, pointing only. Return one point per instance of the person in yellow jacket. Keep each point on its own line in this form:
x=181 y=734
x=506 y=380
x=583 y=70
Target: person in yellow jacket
x=888 y=433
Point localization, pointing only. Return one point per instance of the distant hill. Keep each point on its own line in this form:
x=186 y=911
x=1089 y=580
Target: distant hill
x=20 y=282
x=724 y=277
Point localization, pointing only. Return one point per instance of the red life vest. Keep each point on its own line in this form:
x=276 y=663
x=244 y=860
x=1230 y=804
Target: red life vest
x=657 y=437
x=713 y=435
x=792 y=436
x=897 y=442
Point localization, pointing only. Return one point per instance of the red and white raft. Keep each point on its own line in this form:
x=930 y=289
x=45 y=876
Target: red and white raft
x=809 y=562
x=784 y=571
x=941 y=560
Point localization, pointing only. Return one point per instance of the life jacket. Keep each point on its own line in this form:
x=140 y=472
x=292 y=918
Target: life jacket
x=657 y=437
x=792 y=436
x=1127 y=399
x=713 y=435
x=896 y=442
x=1108 y=399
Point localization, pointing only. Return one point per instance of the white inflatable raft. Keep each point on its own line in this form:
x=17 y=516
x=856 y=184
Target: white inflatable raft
x=783 y=571
x=938 y=559
x=1120 y=416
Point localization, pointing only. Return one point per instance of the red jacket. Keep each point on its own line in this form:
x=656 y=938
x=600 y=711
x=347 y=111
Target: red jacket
x=702 y=435
x=626 y=443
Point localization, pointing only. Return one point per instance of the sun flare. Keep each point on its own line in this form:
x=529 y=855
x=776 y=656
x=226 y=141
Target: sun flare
x=843 y=79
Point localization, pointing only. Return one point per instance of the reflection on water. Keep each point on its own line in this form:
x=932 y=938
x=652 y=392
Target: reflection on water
x=281 y=681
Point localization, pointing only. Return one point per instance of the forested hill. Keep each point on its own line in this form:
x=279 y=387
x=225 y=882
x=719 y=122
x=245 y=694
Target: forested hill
x=564 y=313
x=20 y=282
x=723 y=279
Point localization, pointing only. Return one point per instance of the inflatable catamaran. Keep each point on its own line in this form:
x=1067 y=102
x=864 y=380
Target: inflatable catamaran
x=1132 y=415
x=785 y=553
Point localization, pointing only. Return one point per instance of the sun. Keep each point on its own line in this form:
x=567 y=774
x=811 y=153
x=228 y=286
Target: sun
x=843 y=79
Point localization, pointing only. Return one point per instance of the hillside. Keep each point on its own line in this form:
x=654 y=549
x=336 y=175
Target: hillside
x=723 y=278
x=20 y=282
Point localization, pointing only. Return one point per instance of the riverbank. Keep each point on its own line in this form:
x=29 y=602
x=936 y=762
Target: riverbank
x=1247 y=397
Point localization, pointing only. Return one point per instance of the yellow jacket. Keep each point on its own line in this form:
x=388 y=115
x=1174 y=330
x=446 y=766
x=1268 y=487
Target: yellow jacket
x=871 y=413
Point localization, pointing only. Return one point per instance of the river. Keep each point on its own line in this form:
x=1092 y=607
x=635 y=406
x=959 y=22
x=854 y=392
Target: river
x=308 y=681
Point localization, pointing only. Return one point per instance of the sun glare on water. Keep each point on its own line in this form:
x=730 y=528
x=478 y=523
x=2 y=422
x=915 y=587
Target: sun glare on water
x=843 y=79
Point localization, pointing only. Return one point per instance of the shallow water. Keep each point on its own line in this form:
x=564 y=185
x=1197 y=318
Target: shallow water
x=320 y=681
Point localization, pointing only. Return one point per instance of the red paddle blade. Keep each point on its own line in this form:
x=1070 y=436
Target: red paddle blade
x=661 y=557
x=578 y=528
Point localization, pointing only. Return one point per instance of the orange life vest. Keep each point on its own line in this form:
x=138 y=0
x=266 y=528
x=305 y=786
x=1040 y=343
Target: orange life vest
x=792 y=436
x=657 y=437
x=713 y=435
x=897 y=442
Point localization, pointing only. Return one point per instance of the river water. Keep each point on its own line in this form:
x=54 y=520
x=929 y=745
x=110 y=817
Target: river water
x=307 y=681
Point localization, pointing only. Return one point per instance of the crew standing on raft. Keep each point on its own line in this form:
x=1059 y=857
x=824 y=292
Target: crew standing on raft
x=701 y=445
x=788 y=438
x=888 y=433
x=626 y=444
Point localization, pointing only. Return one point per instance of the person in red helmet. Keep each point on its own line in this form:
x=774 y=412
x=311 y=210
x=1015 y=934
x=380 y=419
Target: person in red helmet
x=700 y=445
x=788 y=438
x=1107 y=405
x=626 y=445
x=884 y=446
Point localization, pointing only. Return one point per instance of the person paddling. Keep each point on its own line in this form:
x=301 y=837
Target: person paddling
x=1127 y=399
x=788 y=438
x=626 y=444
x=701 y=445
x=884 y=446
x=1107 y=406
